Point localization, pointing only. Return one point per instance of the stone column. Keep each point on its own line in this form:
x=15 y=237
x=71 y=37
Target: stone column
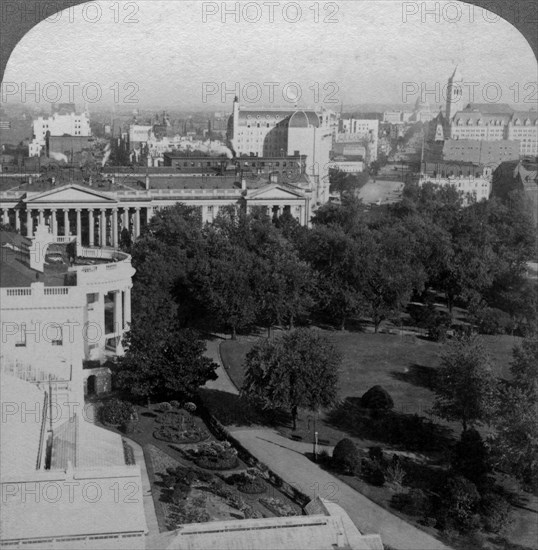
x=115 y=227
x=5 y=216
x=79 y=228
x=53 y=222
x=127 y=307
x=102 y=227
x=118 y=313
x=67 y=229
x=29 y=224
x=137 y=223
x=125 y=221
x=41 y=216
x=17 y=219
x=150 y=213
x=92 y=226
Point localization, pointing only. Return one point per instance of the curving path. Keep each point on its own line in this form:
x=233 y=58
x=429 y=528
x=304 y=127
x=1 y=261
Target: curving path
x=286 y=458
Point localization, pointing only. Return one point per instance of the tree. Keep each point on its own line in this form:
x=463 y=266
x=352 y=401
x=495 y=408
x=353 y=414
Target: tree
x=125 y=240
x=515 y=443
x=336 y=258
x=165 y=362
x=297 y=369
x=226 y=280
x=465 y=389
x=391 y=270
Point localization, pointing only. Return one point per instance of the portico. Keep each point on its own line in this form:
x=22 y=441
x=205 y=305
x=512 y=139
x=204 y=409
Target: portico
x=96 y=219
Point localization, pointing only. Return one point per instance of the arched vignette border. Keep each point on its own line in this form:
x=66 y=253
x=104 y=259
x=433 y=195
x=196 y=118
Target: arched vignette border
x=521 y=14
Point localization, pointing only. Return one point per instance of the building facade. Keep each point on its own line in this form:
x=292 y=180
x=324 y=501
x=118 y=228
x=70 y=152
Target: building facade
x=58 y=124
x=363 y=132
x=279 y=132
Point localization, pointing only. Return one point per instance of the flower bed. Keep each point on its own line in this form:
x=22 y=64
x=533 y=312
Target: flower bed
x=247 y=482
x=213 y=456
x=128 y=453
x=232 y=499
x=277 y=507
x=179 y=427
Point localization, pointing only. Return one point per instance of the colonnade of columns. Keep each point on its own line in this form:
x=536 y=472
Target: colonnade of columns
x=101 y=226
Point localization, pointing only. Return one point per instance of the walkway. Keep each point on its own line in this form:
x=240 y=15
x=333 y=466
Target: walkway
x=286 y=458
x=281 y=456
x=223 y=382
x=147 y=497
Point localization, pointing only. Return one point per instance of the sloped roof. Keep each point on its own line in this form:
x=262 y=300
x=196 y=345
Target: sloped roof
x=85 y=445
x=315 y=532
x=20 y=433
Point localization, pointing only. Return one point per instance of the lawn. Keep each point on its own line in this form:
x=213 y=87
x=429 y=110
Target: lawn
x=404 y=365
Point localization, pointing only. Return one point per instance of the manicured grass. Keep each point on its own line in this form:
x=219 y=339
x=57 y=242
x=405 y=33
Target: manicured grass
x=404 y=365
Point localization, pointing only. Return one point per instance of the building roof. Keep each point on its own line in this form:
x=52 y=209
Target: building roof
x=84 y=502
x=473 y=117
x=325 y=530
x=22 y=420
x=74 y=442
x=522 y=117
x=15 y=270
x=490 y=108
x=304 y=119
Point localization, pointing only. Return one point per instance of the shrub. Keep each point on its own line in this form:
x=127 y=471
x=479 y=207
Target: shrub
x=324 y=458
x=376 y=453
x=377 y=398
x=372 y=472
x=247 y=483
x=165 y=407
x=216 y=463
x=346 y=456
x=458 y=507
x=470 y=456
x=278 y=507
x=190 y=407
x=395 y=473
x=116 y=412
x=495 y=512
x=175 y=404
x=213 y=456
x=180 y=492
x=491 y=321
x=128 y=453
x=205 y=477
x=129 y=426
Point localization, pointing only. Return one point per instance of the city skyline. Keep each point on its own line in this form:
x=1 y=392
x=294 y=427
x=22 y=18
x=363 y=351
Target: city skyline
x=163 y=53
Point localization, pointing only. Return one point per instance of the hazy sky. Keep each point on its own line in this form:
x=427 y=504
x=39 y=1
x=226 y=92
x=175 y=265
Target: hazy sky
x=163 y=53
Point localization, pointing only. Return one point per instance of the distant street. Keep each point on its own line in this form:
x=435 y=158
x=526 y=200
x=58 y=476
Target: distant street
x=378 y=191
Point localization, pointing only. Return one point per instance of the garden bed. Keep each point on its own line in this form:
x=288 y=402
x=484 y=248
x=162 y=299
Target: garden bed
x=179 y=427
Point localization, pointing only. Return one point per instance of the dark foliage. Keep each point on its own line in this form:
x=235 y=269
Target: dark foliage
x=377 y=398
x=345 y=456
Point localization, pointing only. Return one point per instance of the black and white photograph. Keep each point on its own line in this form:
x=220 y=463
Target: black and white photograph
x=269 y=275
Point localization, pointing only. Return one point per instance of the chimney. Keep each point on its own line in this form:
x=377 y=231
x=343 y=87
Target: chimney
x=147 y=182
x=273 y=178
x=243 y=184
